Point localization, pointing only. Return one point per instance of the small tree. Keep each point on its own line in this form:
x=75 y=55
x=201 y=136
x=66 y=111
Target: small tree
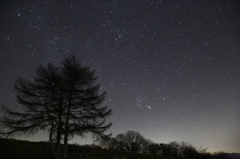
x=107 y=143
x=122 y=145
x=131 y=141
x=135 y=142
x=63 y=100
x=172 y=149
x=154 y=149
x=188 y=150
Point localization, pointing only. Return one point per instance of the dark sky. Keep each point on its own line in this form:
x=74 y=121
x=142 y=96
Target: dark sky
x=170 y=67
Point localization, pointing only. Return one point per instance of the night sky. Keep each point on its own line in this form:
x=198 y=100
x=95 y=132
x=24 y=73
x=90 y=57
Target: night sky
x=170 y=68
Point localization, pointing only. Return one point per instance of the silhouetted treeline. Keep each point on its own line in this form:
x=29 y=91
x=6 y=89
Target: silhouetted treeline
x=131 y=141
x=134 y=142
x=17 y=149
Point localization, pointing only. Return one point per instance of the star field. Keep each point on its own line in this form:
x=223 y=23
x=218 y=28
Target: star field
x=170 y=68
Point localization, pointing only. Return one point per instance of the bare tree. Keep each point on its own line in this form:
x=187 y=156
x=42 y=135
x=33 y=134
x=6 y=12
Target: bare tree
x=155 y=149
x=107 y=143
x=188 y=150
x=131 y=141
x=63 y=100
x=135 y=142
x=172 y=149
x=122 y=145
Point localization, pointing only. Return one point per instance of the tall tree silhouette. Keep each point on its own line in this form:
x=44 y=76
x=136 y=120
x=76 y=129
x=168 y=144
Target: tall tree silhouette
x=63 y=100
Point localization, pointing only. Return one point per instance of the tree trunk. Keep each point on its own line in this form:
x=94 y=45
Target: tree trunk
x=65 y=150
x=59 y=133
x=52 y=145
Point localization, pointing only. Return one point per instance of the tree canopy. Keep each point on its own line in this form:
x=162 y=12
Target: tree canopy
x=64 y=100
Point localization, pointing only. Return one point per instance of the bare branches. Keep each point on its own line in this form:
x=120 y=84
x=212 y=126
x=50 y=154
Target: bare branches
x=63 y=100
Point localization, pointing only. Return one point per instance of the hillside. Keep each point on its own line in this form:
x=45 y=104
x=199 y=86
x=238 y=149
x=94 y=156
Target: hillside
x=17 y=149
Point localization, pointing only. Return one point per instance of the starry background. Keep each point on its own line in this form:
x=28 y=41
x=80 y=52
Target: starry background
x=170 y=67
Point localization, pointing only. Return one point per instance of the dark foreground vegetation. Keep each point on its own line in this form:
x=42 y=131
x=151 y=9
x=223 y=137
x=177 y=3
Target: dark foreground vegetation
x=17 y=149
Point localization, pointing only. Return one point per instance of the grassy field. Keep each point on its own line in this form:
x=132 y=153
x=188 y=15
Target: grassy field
x=17 y=149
